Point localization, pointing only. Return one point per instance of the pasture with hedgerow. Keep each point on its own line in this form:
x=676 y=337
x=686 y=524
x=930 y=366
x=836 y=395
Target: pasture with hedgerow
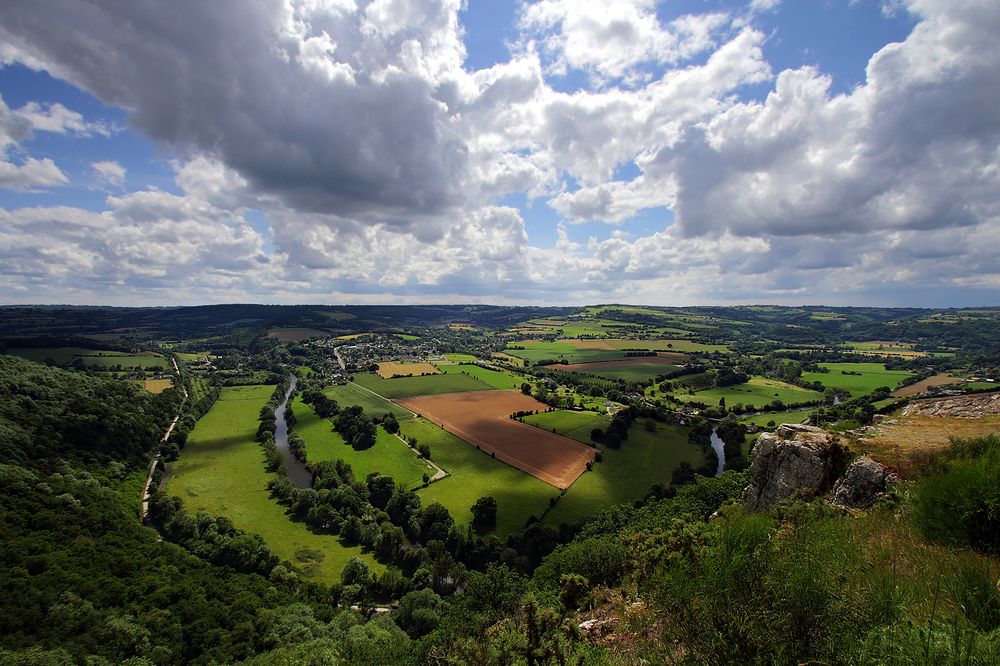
x=535 y=333
x=492 y=490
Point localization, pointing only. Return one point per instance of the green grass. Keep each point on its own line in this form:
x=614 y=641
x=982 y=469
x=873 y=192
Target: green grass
x=873 y=375
x=389 y=455
x=575 y=425
x=757 y=392
x=352 y=394
x=630 y=372
x=221 y=470
x=627 y=474
x=602 y=327
x=475 y=474
x=497 y=380
x=461 y=358
x=408 y=387
x=535 y=351
x=665 y=345
x=795 y=416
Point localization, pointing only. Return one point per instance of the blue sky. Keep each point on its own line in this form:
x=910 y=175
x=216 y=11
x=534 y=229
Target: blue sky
x=554 y=151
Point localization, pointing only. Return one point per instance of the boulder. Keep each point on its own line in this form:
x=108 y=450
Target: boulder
x=863 y=483
x=795 y=459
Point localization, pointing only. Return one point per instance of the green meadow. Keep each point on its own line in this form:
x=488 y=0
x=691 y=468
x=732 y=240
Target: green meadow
x=221 y=471
x=375 y=406
x=536 y=350
x=791 y=416
x=666 y=345
x=408 y=387
x=627 y=474
x=497 y=380
x=572 y=424
x=389 y=455
x=461 y=358
x=473 y=474
x=757 y=392
x=629 y=371
x=871 y=377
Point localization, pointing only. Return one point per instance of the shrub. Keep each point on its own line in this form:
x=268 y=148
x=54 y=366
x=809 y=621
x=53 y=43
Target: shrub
x=961 y=504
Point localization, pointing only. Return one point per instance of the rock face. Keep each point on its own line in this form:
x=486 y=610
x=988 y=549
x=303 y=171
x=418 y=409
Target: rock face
x=962 y=406
x=793 y=459
x=863 y=483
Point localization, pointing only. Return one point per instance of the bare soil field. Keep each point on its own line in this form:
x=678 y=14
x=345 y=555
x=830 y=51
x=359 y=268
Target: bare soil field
x=391 y=369
x=924 y=384
x=482 y=419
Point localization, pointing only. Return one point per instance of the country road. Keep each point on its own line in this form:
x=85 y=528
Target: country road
x=144 y=509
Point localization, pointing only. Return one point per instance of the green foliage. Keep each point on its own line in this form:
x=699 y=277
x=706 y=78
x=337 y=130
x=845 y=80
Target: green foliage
x=601 y=560
x=419 y=612
x=484 y=513
x=961 y=505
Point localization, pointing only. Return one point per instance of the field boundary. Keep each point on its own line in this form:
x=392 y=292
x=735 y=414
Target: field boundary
x=571 y=470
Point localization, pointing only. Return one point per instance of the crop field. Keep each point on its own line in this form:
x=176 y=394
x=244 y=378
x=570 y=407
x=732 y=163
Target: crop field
x=578 y=327
x=757 y=392
x=497 y=380
x=538 y=350
x=391 y=369
x=193 y=356
x=408 y=387
x=924 y=384
x=481 y=418
x=375 y=406
x=575 y=425
x=295 y=334
x=474 y=474
x=156 y=385
x=663 y=345
x=632 y=369
x=627 y=474
x=871 y=377
x=221 y=471
x=389 y=455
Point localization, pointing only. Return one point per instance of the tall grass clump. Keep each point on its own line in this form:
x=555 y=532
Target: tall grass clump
x=960 y=504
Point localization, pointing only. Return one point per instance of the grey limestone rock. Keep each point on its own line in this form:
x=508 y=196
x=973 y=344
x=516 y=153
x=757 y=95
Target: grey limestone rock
x=863 y=483
x=795 y=459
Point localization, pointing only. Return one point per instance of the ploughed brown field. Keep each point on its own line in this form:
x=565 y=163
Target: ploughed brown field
x=924 y=384
x=482 y=419
x=662 y=358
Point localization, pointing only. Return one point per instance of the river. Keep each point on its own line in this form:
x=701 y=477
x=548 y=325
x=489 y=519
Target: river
x=297 y=472
x=720 y=449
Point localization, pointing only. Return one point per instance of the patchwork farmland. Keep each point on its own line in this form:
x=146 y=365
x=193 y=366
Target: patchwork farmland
x=481 y=418
x=631 y=368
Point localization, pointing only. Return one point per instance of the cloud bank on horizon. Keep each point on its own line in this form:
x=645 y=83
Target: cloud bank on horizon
x=555 y=151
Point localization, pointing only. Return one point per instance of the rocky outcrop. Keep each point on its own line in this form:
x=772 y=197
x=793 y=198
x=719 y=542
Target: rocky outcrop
x=961 y=406
x=864 y=482
x=795 y=459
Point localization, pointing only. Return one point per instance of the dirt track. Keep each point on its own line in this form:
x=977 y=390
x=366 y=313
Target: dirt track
x=482 y=419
